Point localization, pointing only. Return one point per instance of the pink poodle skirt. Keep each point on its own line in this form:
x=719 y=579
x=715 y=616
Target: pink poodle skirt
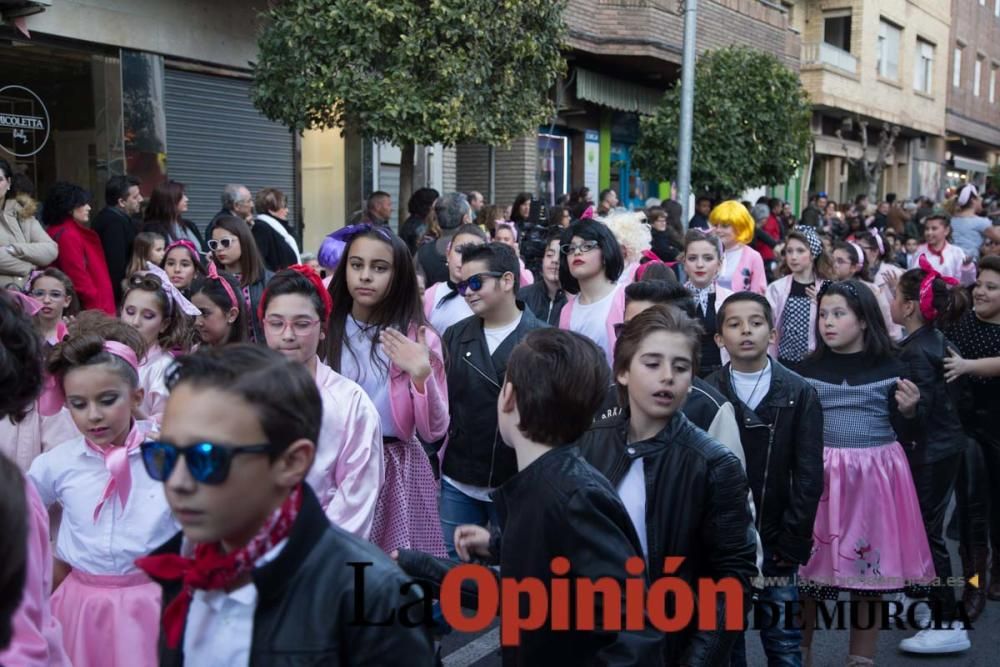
x=868 y=535
x=406 y=513
x=109 y=620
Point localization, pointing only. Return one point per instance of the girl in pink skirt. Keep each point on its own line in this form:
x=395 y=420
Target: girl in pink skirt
x=112 y=512
x=377 y=336
x=868 y=537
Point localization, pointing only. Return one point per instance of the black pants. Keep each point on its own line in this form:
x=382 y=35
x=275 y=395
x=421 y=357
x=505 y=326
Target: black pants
x=978 y=490
x=934 y=483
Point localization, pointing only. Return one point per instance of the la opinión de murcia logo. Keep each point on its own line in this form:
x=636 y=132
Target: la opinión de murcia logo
x=24 y=121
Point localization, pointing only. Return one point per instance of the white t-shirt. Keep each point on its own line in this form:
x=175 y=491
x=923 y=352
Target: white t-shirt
x=591 y=320
x=494 y=337
x=446 y=313
x=356 y=364
x=218 y=631
x=752 y=387
x=732 y=259
x=632 y=492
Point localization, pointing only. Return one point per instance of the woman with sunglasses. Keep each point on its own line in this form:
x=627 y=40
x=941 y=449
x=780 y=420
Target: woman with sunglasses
x=589 y=268
x=378 y=336
x=348 y=471
x=233 y=247
x=112 y=511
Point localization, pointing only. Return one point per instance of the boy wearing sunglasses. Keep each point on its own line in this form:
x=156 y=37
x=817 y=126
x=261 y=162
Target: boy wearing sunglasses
x=259 y=575
x=476 y=460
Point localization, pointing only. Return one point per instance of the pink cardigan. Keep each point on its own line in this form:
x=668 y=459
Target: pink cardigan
x=616 y=315
x=414 y=412
x=349 y=469
x=777 y=295
x=37 y=636
x=35 y=434
x=754 y=279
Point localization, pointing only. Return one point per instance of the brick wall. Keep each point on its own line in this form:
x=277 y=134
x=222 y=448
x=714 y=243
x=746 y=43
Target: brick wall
x=978 y=28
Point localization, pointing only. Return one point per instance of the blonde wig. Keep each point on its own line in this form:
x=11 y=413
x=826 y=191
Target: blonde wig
x=632 y=234
x=734 y=214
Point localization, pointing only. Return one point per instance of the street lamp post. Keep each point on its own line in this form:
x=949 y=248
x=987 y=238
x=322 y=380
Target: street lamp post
x=687 y=109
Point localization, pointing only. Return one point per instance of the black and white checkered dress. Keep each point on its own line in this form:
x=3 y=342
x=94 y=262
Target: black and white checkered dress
x=793 y=341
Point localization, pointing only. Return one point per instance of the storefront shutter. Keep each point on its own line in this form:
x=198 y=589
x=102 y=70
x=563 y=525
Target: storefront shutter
x=215 y=136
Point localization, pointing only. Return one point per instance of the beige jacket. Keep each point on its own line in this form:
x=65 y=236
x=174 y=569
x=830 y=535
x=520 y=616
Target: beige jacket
x=24 y=245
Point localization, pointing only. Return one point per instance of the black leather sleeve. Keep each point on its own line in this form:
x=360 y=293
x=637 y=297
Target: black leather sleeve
x=921 y=373
x=731 y=551
x=795 y=539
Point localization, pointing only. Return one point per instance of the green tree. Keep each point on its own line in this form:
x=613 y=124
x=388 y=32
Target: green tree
x=751 y=125
x=411 y=72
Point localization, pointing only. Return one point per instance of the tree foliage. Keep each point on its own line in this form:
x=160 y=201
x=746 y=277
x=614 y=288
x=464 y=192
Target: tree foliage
x=411 y=71
x=751 y=125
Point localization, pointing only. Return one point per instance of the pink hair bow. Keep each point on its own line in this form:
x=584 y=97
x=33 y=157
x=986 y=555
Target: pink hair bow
x=29 y=305
x=52 y=399
x=173 y=294
x=927 y=308
x=213 y=273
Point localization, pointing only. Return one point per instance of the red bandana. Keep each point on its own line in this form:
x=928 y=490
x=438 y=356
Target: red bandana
x=211 y=569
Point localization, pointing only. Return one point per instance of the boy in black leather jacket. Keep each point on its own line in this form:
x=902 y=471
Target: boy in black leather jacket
x=557 y=505
x=259 y=575
x=781 y=426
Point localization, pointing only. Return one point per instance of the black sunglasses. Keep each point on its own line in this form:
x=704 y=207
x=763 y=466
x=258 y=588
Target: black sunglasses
x=208 y=463
x=475 y=283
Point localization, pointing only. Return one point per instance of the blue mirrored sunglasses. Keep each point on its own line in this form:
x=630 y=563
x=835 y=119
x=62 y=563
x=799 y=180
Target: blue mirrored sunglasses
x=208 y=463
x=475 y=283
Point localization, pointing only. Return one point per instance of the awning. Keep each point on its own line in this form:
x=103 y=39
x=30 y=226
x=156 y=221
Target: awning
x=969 y=164
x=615 y=94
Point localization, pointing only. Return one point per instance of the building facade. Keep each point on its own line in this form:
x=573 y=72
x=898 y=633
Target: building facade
x=972 y=115
x=880 y=63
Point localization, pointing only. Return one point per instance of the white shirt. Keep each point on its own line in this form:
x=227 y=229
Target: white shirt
x=731 y=261
x=632 y=492
x=74 y=476
x=446 y=313
x=949 y=264
x=495 y=337
x=752 y=387
x=591 y=320
x=218 y=631
x=356 y=364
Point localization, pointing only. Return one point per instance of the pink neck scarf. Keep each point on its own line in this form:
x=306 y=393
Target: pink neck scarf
x=116 y=461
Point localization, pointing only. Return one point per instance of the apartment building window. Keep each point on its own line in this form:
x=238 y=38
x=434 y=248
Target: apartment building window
x=996 y=8
x=888 y=50
x=837 y=29
x=923 y=68
x=977 y=75
x=956 y=75
x=993 y=84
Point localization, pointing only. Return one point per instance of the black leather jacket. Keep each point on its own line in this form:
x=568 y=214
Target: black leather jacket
x=476 y=453
x=941 y=434
x=696 y=508
x=536 y=298
x=306 y=602
x=783 y=443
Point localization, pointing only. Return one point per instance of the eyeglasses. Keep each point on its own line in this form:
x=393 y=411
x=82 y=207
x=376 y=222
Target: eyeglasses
x=54 y=294
x=300 y=326
x=475 y=283
x=583 y=248
x=225 y=243
x=990 y=242
x=208 y=463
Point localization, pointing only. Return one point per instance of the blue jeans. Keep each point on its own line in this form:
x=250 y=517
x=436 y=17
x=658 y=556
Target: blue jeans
x=781 y=645
x=457 y=509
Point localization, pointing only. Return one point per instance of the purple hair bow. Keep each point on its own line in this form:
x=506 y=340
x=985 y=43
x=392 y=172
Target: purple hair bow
x=332 y=249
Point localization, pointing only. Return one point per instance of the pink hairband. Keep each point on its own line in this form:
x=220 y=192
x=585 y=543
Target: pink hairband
x=213 y=273
x=508 y=225
x=173 y=294
x=878 y=241
x=52 y=399
x=32 y=277
x=860 y=251
x=927 y=308
x=183 y=243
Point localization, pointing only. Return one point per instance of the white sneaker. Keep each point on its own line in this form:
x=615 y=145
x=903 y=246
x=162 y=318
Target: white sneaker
x=947 y=640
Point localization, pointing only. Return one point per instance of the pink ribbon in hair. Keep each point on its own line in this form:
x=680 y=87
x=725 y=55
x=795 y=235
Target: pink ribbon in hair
x=53 y=399
x=878 y=241
x=860 y=251
x=927 y=308
x=178 y=299
x=31 y=279
x=116 y=461
x=29 y=305
x=213 y=273
x=186 y=244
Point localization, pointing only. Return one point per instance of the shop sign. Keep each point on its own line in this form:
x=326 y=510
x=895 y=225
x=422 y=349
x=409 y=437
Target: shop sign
x=24 y=122
x=591 y=160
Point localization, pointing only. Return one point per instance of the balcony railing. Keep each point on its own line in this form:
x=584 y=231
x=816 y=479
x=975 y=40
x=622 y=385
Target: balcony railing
x=828 y=54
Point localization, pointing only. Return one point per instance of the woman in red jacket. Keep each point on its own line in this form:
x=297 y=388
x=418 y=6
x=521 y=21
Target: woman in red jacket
x=66 y=215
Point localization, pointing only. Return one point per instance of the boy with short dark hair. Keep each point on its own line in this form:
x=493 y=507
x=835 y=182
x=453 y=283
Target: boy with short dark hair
x=476 y=460
x=781 y=427
x=557 y=504
x=259 y=575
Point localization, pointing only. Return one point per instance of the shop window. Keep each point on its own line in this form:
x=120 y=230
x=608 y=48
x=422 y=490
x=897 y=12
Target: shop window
x=553 y=167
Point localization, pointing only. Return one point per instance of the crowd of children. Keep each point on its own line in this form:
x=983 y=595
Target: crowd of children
x=231 y=462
